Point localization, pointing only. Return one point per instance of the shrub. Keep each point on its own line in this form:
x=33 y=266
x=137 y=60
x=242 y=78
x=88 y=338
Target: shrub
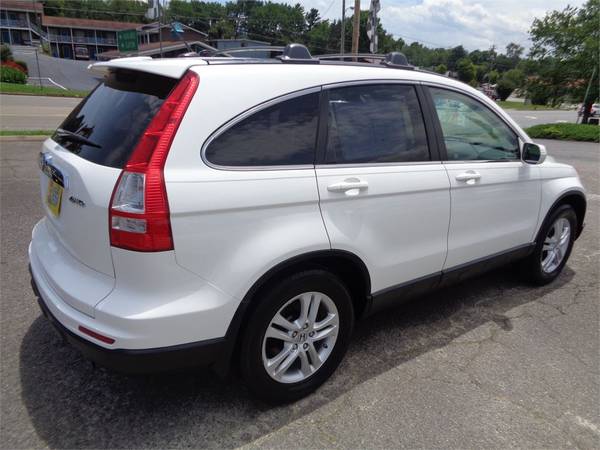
x=441 y=69
x=22 y=64
x=11 y=75
x=565 y=131
x=5 y=53
x=504 y=88
x=14 y=65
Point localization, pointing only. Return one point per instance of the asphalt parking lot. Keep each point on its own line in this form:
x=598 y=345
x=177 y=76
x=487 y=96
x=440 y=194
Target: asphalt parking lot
x=490 y=363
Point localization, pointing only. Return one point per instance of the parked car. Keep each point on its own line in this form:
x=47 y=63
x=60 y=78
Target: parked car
x=594 y=111
x=243 y=214
x=82 y=52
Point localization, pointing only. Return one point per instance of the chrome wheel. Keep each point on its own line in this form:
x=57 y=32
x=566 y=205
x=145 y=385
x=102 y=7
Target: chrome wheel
x=300 y=337
x=556 y=245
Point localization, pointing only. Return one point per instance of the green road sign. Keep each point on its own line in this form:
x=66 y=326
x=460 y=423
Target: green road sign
x=127 y=41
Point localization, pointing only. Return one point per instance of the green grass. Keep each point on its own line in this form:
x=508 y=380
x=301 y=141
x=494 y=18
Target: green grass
x=565 y=132
x=28 y=89
x=523 y=106
x=26 y=132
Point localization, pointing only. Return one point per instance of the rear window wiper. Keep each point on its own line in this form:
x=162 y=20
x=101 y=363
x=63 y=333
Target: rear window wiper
x=69 y=135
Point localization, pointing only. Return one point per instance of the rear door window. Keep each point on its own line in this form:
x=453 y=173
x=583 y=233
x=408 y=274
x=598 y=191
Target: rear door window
x=375 y=124
x=106 y=126
x=279 y=135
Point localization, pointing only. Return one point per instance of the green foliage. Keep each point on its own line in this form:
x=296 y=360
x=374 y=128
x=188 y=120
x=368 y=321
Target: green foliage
x=441 y=68
x=515 y=77
x=465 y=69
x=504 y=88
x=23 y=65
x=565 y=131
x=28 y=89
x=566 y=46
x=10 y=75
x=492 y=76
x=26 y=132
x=456 y=54
x=5 y=53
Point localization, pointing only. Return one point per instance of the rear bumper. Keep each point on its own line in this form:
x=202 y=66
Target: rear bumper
x=196 y=354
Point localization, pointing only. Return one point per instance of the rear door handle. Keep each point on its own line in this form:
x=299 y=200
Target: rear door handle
x=470 y=176
x=350 y=186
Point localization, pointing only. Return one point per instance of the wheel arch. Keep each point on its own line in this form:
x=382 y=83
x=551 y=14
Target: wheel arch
x=576 y=199
x=346 y=265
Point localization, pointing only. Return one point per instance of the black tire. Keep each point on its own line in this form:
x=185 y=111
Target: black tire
x=271 y=300
x=531 y=267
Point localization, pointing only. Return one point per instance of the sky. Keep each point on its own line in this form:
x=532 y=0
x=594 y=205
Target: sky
x=476 y=24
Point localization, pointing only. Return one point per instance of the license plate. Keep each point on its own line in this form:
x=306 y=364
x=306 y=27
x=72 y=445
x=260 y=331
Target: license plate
x=54 y=197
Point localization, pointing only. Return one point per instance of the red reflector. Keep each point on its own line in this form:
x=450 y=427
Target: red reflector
x=95 y=335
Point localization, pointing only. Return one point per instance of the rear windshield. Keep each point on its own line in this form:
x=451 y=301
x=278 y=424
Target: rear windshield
x=112 y=118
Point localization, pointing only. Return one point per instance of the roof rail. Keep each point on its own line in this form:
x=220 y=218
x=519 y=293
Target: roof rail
x=228 y=51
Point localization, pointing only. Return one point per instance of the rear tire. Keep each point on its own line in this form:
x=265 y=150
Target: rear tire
x=290 y=347
x=553 y=246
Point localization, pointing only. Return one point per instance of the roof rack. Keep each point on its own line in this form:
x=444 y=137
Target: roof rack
x=299 y=54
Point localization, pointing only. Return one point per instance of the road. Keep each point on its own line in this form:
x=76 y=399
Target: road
x=529 y=118
x=490 y=363
x=27 y=112
x=65 y=72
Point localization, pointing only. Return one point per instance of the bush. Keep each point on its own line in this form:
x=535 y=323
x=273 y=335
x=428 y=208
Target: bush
x=565 y=131
x=441 y=69
x=14 y=65
x=22 y=64
x=5 y=53
x=504 y=88
x=11 y=75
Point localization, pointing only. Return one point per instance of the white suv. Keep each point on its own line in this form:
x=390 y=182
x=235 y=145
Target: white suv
x=244 y=213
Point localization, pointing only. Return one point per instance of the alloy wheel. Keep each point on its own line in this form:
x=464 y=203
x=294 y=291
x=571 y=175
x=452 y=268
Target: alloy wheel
x=300 y=337
x=555 y=245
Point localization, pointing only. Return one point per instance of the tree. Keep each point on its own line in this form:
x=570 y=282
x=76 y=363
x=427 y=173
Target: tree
x=465 y=69
x=514 y=51
x=312 y=18
x=567 y=44
x=492 y=76
x=515 y=77
x=441 y=69
x=455 y=55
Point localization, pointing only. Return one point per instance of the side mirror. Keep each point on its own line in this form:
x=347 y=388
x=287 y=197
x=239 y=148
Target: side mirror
x=534 y=153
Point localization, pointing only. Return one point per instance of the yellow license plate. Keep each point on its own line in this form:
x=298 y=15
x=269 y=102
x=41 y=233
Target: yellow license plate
x=54 y=197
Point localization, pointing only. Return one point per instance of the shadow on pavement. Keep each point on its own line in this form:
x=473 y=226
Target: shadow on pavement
x=72 y=404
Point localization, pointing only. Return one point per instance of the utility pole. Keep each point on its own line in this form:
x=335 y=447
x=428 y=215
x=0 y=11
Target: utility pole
x=37 y=59
x=343 y=40
x=160 y=27
x=356 y=27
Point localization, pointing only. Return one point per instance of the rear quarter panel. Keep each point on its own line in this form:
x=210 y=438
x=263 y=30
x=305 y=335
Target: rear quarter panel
x=231 y=226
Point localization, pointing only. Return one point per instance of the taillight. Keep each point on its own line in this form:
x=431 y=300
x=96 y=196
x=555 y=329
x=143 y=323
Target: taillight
x=139 y=209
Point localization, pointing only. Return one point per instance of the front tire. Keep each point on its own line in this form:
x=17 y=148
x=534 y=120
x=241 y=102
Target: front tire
x=553 y=246
x=297 y=336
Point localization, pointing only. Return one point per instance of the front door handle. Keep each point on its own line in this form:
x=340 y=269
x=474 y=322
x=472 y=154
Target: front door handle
x=350 y=186
x=470 y=176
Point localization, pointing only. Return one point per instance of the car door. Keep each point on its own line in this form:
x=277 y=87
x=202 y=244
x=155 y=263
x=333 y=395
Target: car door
x=495 y=196
x=384 y=194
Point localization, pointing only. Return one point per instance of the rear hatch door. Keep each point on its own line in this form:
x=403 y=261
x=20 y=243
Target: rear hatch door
x=82 y=162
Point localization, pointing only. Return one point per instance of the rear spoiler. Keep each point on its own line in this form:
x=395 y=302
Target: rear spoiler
x=168 y=67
